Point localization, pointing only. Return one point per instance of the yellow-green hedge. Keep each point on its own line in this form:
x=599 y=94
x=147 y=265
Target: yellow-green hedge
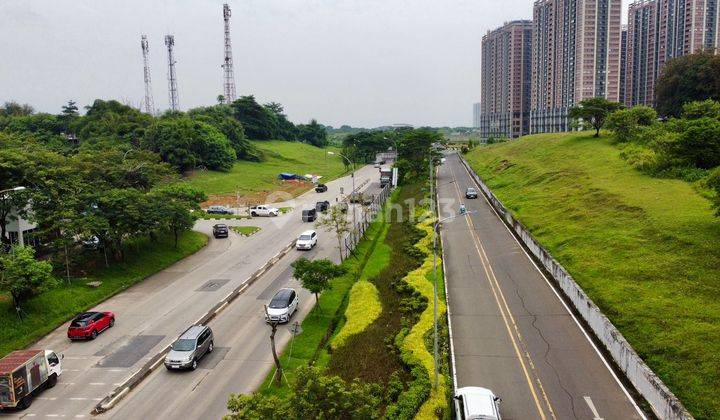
x=363 y=309
x=413 y=346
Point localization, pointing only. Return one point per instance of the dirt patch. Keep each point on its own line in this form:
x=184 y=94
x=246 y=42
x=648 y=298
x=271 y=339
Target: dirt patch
x=285 y=190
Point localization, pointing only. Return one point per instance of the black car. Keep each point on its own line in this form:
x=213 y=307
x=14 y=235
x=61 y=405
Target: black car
x=309 y=215
x=220 y=231
x=322 y=206
x=470 y=192
x=321 y=188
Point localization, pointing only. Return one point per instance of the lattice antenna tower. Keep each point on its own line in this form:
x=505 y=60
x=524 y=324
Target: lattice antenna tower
x=149 y=103
x=228 y=73
x=172 y=77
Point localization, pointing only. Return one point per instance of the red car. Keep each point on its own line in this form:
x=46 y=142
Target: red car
x=90 y=324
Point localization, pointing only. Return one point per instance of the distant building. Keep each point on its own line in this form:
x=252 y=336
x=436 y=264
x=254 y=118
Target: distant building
x=476 y=115
x=575 y=55
x=506 y=70
x=659 y=30
x=623 y=62
x=19 y=230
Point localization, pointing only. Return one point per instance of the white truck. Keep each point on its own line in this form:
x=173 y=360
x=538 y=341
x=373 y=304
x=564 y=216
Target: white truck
x=263 y=210
x=23 y=373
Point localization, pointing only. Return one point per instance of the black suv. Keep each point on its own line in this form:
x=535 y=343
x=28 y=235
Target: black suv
x=220 y=231
x=322 y=206
x=321 y=188
x=309 y=215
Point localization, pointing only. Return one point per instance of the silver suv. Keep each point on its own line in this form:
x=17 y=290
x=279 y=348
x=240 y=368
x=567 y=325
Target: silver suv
x=190 y=347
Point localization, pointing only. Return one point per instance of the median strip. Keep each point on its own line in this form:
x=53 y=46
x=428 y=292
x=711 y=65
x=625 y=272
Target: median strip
x=122 y=390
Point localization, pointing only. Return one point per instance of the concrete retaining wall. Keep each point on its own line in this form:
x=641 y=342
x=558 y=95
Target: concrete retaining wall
x=664 y=403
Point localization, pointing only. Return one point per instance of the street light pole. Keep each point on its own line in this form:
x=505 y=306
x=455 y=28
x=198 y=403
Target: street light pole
x=352 y=175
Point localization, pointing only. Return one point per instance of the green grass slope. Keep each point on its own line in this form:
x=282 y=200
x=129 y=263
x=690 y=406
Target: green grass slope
x=280 y=156
x=644 y=249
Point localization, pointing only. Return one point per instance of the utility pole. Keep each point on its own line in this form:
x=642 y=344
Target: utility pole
x=228 y=73
x=174 y=101
x=435 y=275
x=149 y=103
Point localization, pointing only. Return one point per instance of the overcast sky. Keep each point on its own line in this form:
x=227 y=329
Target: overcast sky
x=359 y=62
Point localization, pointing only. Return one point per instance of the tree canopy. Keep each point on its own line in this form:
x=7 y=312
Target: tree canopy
x=594 y=111
x=689 y=78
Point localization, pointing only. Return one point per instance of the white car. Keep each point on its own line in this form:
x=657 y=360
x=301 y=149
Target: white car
x=306 y=240
x=282 y=306
x=476 y=403
x=264 y=211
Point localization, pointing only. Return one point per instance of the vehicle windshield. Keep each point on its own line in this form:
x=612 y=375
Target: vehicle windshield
x=5 y=395
x=78 y=324
x=278 y=303
x=184 y=345
x=220 y=226
x=304 y=237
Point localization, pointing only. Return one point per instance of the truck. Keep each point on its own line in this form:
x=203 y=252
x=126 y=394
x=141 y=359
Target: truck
x=24 y=373
x=385 y=176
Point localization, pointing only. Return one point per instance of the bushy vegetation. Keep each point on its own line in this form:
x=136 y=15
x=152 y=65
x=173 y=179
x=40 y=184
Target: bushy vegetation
x=363 y=309
x=643 y=248
x=689 y=78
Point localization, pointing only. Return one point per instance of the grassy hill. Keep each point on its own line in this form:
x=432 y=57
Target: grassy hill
x=259 y=178
x=644 y=249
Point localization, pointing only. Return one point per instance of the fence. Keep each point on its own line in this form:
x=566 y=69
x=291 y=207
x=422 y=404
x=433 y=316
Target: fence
x=367 y=215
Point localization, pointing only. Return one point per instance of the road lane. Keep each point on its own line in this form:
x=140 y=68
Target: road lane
x=152 y=313
x=511 y=332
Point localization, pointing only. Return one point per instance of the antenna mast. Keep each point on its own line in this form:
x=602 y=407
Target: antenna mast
x=228 y=73
x=172 y=78
x=149 y=104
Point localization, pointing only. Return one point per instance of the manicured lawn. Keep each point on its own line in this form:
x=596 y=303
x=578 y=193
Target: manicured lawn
x=46 y=312
x=245 y=230
x=280 y=156
x=644 y=249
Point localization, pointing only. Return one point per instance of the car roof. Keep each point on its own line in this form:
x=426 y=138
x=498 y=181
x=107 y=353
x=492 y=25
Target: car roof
x=220 y=225
x=85 y=315
x=479 y=402
x=193 y=332
x=283 y=293
x=307 y=232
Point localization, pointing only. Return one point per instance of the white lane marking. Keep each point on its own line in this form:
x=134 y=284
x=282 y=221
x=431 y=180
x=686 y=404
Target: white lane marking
x=589 y=402
x=562 y=301
x=78 y=416
x=30 y=415
x=115 y=370
x=67 y=383
x=71 y=370
x=97 y=383
x=78 y=398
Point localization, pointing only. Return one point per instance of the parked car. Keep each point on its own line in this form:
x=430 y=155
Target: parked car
x=321 y=188
x=24 y=373
x=90 y=324
x=377 y=164
x=264 y=210
x=219 y=210
x=220 y=230
x=306 y=240
x=473 y=402
x=322 y=206
x=309 y=215
x=471 y=192
x=190 y=347
x=282 y=306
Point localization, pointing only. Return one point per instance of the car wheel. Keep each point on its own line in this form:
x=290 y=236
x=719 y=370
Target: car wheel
x=194 y=364
x=93 y=335
x=25 y=402
x=52 y=380
x=253 y=214
x=211 y=347
x=112 y=322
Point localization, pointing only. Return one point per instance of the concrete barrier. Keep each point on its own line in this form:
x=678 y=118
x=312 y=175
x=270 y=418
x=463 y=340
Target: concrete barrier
x=664 y=403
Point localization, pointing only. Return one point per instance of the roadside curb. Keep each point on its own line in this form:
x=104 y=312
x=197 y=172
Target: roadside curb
x=662 y=401
x=136 y=378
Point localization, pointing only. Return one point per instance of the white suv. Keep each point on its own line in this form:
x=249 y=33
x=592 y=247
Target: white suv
x=263 y=211
x=306 y=240
x=474 y=403
x=282 y=306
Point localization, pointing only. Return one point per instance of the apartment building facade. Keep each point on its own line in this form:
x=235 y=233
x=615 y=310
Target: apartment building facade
x=505 y=86
x=576 y=47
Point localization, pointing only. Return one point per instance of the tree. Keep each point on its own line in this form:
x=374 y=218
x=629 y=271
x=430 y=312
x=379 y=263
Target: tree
x=283 y=128
x=594 y=111
x=177 y=206
x=314 y=396
x=220 y=99
x=699 y=143
x=701 y=109
x=315 y=275
x=335 y=220
x=627 y=123
x=221 y=117
x=256 y=119
x=313 y=133
x=692 y=77
x=69 y=115
x=14 y=109
x=415 y=150
x=22 y=276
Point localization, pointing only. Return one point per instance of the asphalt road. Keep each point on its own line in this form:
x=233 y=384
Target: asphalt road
x=151 y=314
x=511 y=331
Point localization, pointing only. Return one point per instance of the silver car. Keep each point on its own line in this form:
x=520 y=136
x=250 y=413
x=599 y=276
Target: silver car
x=189 y=348
x=282 y=306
